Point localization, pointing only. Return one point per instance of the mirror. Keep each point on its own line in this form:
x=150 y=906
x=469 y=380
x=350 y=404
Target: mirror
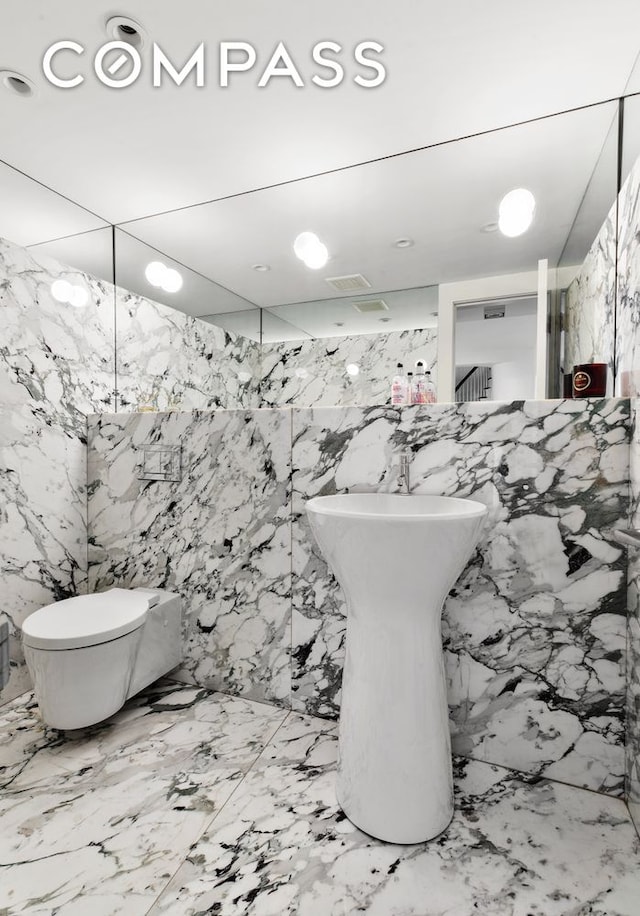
x=166 y=357
x=628 y=256
x=58 y=305
x=416 y=267
x=399 y=231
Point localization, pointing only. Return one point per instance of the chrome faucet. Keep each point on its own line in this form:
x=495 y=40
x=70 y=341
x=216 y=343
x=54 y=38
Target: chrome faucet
x=404 y=484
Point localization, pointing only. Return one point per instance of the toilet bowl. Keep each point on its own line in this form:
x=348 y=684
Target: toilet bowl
x=88 y=655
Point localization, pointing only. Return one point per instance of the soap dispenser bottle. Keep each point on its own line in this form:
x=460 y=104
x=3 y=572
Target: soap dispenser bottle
x=431 y=389
x=399 y=388
x=419 y=387
x=409 y=388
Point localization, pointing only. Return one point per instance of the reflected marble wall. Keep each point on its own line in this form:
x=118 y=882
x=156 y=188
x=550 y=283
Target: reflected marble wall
x=628 y=312
x=312 y=373
x=590 y=305
x=172 y=361
x=220 y=537
x=534 y=631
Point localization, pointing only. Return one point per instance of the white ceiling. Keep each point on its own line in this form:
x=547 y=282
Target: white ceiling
x=454 y=69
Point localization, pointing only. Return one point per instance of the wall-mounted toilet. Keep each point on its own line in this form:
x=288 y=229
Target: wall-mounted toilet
x=88 y=655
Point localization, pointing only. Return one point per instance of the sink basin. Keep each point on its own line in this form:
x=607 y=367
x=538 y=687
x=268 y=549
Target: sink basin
x=396 y=558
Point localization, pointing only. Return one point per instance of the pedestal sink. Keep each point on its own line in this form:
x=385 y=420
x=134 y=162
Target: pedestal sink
x=396 y=557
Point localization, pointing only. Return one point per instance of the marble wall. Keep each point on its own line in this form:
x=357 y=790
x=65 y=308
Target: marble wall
x=633 y=629
x=534 y=631
x=312 y=373
x=57 y=365
x=220 y=536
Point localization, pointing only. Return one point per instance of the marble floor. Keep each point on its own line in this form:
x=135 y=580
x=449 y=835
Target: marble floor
x=190 y=802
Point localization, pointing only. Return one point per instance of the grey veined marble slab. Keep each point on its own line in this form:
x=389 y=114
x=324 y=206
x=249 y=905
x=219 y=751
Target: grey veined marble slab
x=534 y=631
x=96 y=821
x=220 y=536
x=516 y=847
x=633 y=631
x=43 y=528
x=189 y=802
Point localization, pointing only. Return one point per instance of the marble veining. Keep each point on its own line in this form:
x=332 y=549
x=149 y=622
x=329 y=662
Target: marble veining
x=57 y=365
x=190 y=802
x=220 y=536
x=515 y=846
x=633 y=630
x=96 y=821
x=312 y=373
x=534 y=630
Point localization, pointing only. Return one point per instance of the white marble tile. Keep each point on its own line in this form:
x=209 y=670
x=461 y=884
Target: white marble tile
x=534 y=630
x=312 y=373
x=516 y=847
x=98 y=820
x=220 y=536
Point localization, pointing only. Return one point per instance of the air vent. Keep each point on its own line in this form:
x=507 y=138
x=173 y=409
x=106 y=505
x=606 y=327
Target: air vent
x=371 y=305
x=494 y=311
x=348 y=284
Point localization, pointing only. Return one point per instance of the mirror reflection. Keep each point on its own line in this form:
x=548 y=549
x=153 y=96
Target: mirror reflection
x=212 y=306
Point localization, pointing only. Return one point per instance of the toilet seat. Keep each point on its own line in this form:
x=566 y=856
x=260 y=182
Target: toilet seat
x=87 y=620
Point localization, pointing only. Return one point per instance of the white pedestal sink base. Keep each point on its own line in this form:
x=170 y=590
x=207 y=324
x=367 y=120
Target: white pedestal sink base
x=396 y=557
x=394 y=775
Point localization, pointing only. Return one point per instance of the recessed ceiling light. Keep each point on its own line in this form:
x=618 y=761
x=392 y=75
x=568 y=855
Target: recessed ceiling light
x=261 y=268
x=384 y=319
x=123 y=28
x=404 y=243
x=353 y=369
x=490 y=227
x=17 y=83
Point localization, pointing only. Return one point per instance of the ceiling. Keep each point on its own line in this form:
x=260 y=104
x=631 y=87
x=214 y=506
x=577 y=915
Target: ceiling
x=454 y=69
